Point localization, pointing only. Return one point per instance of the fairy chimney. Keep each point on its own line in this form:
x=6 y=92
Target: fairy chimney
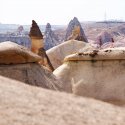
x=76 y=34
x=37 y=45
x=75 y=31
x=36 y=37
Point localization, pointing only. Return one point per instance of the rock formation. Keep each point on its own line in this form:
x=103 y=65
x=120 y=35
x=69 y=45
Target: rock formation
x=22 y=104
x=75 y=31
x=21 y=40
x=17 y=62
x=104 y=37
x=97 y=74
x=36 y=37
x=37 y=45
x=20 y=30
x=59 y=52
x=51 y=39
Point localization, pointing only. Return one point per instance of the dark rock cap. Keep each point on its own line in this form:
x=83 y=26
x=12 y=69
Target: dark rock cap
x=35 y=31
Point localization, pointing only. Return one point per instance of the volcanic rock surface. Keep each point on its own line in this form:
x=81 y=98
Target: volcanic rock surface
x=59 y=52
x=98 y=74
x=22 y=104
x=73 y=25
x=17 y=62
x=51 y=39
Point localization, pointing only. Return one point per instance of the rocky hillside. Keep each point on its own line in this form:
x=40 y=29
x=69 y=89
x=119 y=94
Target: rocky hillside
x=93 y=29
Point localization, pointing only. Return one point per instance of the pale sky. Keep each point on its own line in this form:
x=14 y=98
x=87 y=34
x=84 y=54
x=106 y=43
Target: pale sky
x=59 y=11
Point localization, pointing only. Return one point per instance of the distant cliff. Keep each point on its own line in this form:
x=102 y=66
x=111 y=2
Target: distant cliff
x=21 y=40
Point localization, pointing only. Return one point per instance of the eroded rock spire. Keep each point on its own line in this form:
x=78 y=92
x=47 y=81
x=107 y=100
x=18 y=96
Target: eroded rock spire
x=75 y=31
x=37 y=45
x=35 y=31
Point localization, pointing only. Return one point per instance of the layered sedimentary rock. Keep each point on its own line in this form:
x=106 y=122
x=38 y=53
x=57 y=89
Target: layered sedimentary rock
x=51 y=39
x=37 y=45
x=75 y=31
x=59 y=52
x=17 y=62
x=22 y=104
x=97 y=74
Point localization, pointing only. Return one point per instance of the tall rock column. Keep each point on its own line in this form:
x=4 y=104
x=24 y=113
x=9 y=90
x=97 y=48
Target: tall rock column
x=37 y=45
x=75 y=31
x=51 y=39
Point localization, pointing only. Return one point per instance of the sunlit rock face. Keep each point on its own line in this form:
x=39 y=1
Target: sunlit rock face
x=59 y=52
x=97 y=74
x=73 y=25
x=37 y=45
x=50 y=39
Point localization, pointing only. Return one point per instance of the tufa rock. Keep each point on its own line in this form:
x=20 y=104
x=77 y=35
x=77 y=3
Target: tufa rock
x=17 y=62
x=20 y=30
x=104 y=37
x=51 y=39
x=46 y=61
x=59 y=52
x=75 y=31
x=37 y=45
x=97 y=74
x=12 y=53
x=35 y=31
x=21 y=104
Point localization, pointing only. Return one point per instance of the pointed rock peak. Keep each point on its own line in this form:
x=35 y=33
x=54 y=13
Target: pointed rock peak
x=75 y=31
x=75 y=19
x=35 y=31
x=48 y=25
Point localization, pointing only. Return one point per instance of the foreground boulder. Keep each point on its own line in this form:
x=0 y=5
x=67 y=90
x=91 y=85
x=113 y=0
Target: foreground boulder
x=21 y=104
x=97 y=74
x=17 y=62
x=59 y=52
x=12 y=53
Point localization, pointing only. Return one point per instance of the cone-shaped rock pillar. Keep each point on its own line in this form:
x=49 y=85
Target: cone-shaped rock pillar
x=37 y=45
